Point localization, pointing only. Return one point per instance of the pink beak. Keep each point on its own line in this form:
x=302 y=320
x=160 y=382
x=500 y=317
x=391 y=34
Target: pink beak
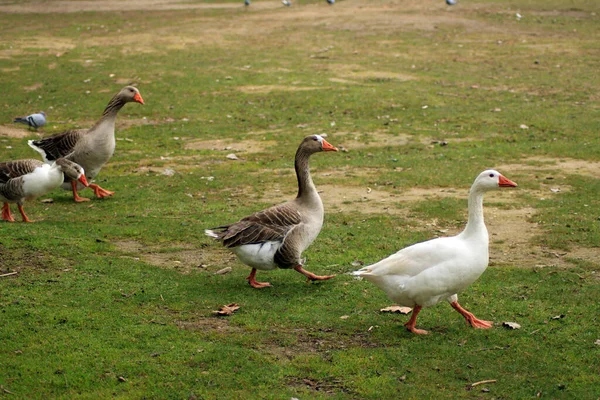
x=328 y=147
x=505 y=182
x=138 y=98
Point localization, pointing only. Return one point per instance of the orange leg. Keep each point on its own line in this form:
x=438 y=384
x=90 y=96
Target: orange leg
x=471 y=319
x=310 y=275
x=25 y=219
x=6 y=215
x=76 y=196
x=101 y=193
x=252 y=281
x=412 y=322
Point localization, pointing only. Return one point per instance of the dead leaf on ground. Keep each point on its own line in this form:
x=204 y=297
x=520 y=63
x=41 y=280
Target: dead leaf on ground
x=397 y=309
x=227 y=310
x=511 y=325
x=224 y=271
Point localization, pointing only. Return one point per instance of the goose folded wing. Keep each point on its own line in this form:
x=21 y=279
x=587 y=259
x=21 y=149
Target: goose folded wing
x=15 y=169
x=272 y=224
x=419 y=257
x=60 y=145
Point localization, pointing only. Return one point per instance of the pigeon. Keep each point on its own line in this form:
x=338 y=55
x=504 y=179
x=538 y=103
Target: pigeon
x=246 y=2
x=451 y=2
x=33 y=121
x=331 y=1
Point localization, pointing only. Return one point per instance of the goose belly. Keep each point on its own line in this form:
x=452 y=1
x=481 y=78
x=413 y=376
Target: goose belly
x=258 y=255
x=94 y=153
x=41 y=181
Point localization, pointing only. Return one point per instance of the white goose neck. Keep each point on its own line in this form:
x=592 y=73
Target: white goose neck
x=475 y=224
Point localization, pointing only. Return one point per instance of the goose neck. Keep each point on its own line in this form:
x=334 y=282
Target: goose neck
x=305 y=182
x=475 y=224
x=113 y=107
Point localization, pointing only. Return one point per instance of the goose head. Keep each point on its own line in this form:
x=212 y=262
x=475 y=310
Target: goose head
x=315 y=143
x=72 y=170
x=491 y=180
x=129 y=94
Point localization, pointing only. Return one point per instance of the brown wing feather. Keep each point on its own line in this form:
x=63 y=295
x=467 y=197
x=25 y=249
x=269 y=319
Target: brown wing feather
x=17 y=168
x=59 y=145
x=271 y=224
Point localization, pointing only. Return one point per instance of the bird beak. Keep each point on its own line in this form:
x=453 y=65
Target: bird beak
x=505 y=182
x=328 y=147
x=138 y=98
x=83 y=180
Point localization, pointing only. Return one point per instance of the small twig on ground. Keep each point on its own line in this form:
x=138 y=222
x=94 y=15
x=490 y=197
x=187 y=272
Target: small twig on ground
x=9 y=274
x=5 y=390
x=483 y=382
x=493 y=348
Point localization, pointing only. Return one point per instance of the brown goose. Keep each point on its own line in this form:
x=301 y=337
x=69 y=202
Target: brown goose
x=91 y=148
x=276 y=237
x=22 y=180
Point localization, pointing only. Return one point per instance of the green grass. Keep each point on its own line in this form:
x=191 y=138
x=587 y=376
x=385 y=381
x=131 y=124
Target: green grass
x=114 y=298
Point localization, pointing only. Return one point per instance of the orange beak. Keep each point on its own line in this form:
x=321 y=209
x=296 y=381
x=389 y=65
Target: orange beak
x=138 y=98
x=328 y=147
x=505 y=182
x=83 y=180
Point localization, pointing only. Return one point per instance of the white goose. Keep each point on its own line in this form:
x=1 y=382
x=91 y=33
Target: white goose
x=22 y=180
x=90 y=148
x=276 y=237
x=426 y=273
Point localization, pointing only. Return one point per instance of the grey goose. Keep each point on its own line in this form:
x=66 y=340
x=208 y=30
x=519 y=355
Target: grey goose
x=90 y=148
x=277 y=236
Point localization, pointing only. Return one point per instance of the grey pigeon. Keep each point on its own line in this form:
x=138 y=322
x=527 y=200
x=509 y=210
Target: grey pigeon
x=247 y=2
x=33 y=121
x=451 y=2
x=331 y=1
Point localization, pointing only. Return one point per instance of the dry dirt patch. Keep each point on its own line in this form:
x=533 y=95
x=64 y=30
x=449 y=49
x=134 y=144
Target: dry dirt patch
x=263 y=89
x=562 y=166
x=247 y=146
x=186 y=259
x=9 y=131
x=64 y=6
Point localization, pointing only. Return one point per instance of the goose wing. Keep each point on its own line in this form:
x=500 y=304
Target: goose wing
x=14 y=169
x=57 y=146
x=272 y=224
x=417 y=258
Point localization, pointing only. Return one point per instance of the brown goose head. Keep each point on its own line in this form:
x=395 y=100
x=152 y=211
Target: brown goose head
x=72 y=170
x=129 y=94
x=315 y=143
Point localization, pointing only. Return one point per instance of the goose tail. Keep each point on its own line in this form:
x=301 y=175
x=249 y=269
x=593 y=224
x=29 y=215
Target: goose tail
x=211 y=233
x=32 y=144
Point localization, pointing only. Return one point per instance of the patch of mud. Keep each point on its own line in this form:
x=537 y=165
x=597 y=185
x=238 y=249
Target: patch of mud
x=247 y=146
x=184 y=259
